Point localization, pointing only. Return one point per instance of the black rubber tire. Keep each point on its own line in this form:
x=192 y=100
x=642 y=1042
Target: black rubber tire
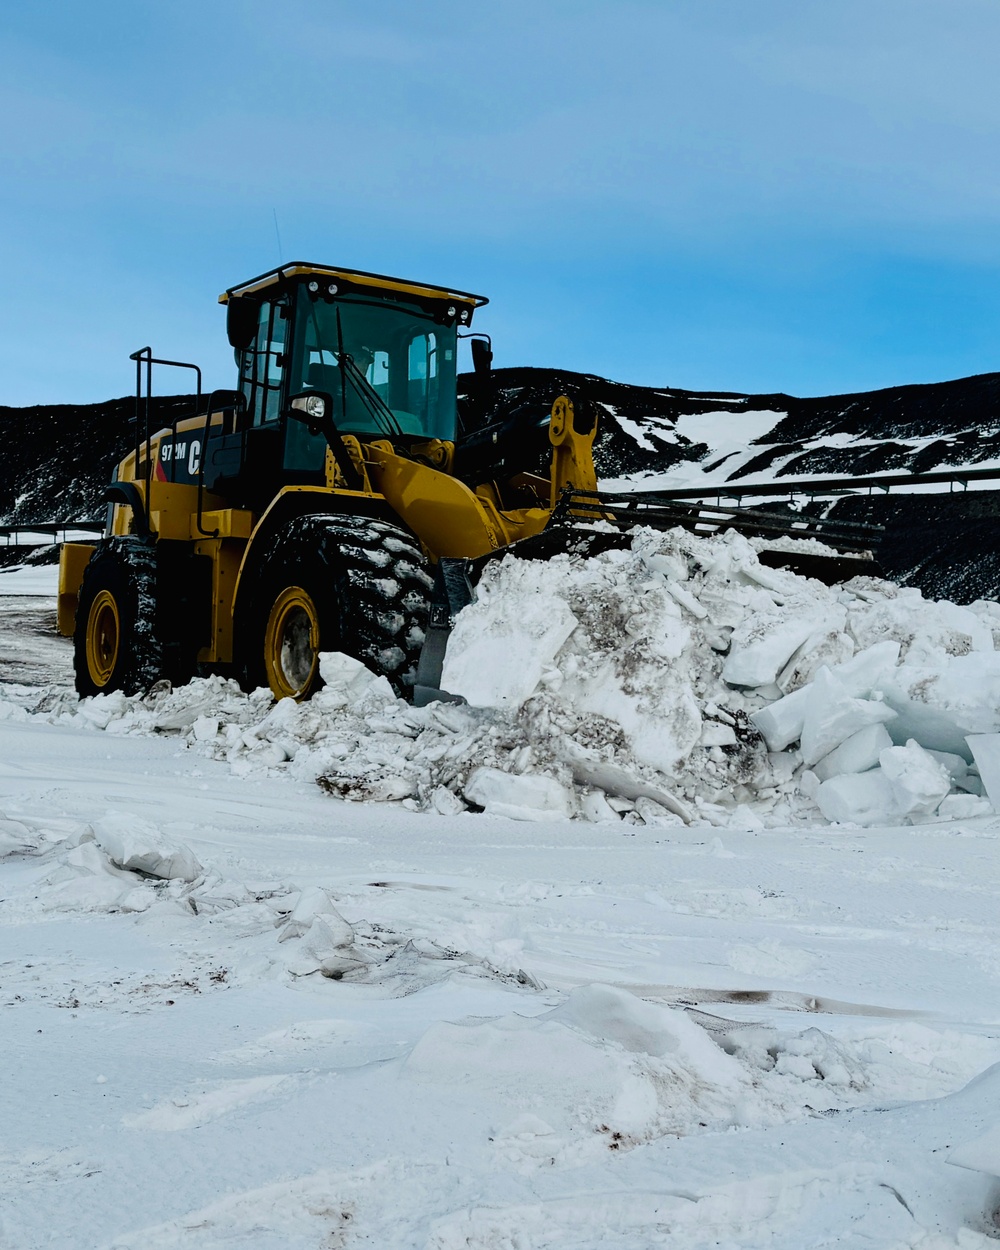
x=371 y=586
x=125 y=569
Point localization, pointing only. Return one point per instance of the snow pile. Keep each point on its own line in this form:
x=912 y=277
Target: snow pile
x=676 y=680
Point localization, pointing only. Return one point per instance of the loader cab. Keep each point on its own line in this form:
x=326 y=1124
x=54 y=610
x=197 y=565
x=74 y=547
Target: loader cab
x=384 y=350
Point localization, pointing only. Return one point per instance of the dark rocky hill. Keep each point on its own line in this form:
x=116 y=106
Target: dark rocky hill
x=57 y=460
x=651 y=430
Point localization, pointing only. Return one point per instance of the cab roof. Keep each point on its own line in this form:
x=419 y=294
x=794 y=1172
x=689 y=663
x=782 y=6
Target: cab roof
x=355 y=277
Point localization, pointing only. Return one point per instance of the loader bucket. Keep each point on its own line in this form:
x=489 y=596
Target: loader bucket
x=581 y=520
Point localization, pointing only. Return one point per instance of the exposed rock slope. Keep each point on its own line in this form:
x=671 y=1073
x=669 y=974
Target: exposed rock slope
x=57 y=459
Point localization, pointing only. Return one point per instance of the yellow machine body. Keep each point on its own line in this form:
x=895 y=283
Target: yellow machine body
x=315 y=503
x=449 y=518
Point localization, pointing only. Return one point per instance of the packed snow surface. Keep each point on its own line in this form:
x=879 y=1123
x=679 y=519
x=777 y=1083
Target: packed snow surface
x=29 y=580
x=580 y=964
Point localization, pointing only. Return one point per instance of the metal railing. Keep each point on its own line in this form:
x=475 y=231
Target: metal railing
x=660 y=511
x=12 y=535
x=816 y=486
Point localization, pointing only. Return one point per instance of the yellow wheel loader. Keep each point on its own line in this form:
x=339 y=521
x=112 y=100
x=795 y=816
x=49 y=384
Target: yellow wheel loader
x=311 y=508
x=332 y=502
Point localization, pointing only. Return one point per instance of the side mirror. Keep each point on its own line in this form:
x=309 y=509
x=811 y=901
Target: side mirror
x=482 y=357
x=241 y=321
x=313 y=408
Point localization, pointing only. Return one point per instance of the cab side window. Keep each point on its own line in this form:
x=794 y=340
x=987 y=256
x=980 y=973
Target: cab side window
x=263 y=366
x=422 y=373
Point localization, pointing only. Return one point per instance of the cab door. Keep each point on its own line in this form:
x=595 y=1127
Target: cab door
x=244 y=464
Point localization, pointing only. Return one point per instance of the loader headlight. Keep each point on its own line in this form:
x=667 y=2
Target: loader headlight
x=312 y=405
x=463 y=316
x=452 y=310
x=332 y=289
x=313 y=286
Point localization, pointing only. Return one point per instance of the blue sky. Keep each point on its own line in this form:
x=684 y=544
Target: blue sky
x=752 y=195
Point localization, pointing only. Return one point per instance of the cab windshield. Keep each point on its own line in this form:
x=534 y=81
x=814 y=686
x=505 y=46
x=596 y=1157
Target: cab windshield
x=397 y=350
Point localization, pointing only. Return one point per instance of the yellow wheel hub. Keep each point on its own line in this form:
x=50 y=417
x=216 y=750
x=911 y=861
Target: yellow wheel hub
x=291 y=644
x=104 y=638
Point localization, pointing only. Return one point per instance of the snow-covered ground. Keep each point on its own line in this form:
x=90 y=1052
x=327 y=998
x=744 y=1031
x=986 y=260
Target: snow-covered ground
x=28 y=581
x=240 y=1011
x=31 y=652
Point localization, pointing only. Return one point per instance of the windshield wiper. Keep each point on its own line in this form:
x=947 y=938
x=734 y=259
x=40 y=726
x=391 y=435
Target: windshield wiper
x=378 y=409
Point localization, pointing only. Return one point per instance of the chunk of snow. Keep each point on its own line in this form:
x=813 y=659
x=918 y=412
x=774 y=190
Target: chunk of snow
x=962 y=621
x=687 y=601
x=963 y=807
x=16 y=839
x=908 y=784
x=187 y=706
x=933 y=727
x=658 y=711
x=612 y=1014
x=345 y=680
x=942 y=701
x=311 y=903
x=447 y=802
x=715 y=734
x=326 y=933
x=137 y=846
x=499 y=648
x=205 y=728
x=832 y=716
x=326 y=943
x=671 y=567
x=613 y=779
x=859 y=799
x=860 y=675
x=781 y=722
x=809 y=783
x=918 y=781
x=139 y=899
x=957 y=766
x=596 y=808
x=527 y=1126
x=828 y=646
x=985 y=750
x=856 y=754
x=761 y=649
x=85 y=878
x=529 y=796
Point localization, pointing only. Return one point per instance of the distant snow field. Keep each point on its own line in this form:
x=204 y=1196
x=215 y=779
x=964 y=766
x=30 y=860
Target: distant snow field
x=736 y=438
x=681 y=933
x=30 y=580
